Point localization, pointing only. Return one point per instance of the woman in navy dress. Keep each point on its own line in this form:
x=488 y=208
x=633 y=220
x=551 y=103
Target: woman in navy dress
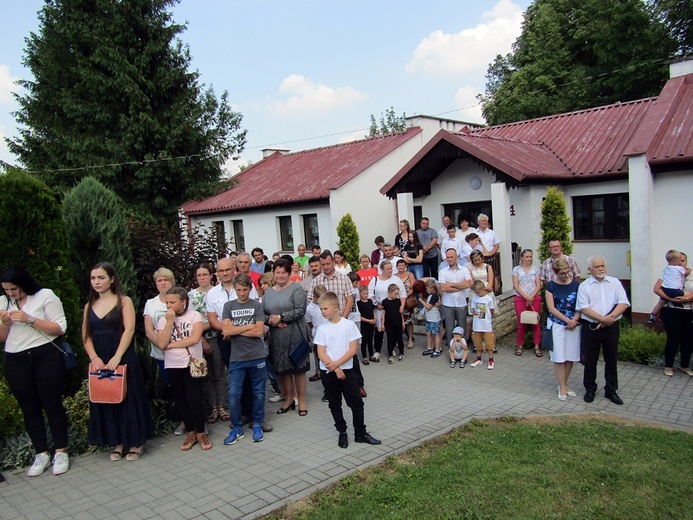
x=107 y=330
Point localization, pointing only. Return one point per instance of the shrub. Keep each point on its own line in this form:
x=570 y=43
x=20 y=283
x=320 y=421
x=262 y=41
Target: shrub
x=33 y=235
x=11 y=418
x=638 y=344
x=349 y=240
x=98 y=231
x=555 y=223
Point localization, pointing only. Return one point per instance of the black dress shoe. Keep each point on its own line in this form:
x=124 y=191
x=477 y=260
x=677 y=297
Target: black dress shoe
x=614 y=398
x=367 y=438
x=589 y=397
x=343 y=440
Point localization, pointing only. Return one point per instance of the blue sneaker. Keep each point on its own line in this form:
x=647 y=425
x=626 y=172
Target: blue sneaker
x=234 y=435
x=258 y=436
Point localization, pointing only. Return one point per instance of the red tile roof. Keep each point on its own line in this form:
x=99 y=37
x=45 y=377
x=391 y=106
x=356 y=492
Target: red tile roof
x=586 y=144
x=301 y=176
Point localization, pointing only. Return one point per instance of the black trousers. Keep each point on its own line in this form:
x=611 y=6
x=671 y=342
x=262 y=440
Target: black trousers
x=679 y=328
x=367 y=331
x=188 y=392
x=335 y=388
x=592 y=342
x=36 y=379
x=394 y=335
x=430 y=267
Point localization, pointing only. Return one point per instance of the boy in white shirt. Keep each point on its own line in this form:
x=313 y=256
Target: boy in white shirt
x=337 y=341
x=482 y=308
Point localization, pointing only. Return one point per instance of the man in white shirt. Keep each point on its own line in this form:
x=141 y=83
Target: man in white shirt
x=487 y=235
x=454 y=282
x=602 y=301
x=443 y=231
x=389 y=256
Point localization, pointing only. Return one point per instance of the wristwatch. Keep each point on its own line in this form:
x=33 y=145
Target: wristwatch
x=31 y=321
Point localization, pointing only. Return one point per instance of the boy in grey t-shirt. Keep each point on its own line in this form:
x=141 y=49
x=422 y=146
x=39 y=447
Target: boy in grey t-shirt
x=243 y=322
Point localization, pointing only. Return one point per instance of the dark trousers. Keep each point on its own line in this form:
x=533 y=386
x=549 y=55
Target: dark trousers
x=592 y=341
x=224 y=349
x=367 y=331
x=394 y=335
x=188 y=391
x=335 y=388
x=36 y=378
x=679 y=328
x=430 y=267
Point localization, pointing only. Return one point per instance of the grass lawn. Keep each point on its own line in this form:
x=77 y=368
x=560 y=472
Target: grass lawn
x=571 y=467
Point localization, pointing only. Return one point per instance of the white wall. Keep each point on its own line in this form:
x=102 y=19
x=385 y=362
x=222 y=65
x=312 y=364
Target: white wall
x=261 y=227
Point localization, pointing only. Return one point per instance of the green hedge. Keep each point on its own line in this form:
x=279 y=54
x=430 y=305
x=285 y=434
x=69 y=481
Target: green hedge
x=638 y=344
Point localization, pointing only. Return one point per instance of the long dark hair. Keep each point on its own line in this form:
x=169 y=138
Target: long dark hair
x=21 y=278
x=93 y=296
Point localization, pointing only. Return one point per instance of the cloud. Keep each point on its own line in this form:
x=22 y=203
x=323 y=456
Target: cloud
x=306 y=96
x=470 y=50
x=470 y=108
x=7 y=85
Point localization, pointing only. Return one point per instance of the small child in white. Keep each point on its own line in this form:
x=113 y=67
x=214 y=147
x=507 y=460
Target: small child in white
x=337 y=341
x=432 y=317
x=458 y=348
x=673 y=279
x=482 y=308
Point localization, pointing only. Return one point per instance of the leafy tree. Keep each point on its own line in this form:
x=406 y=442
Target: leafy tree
x=575 y=54
x=98 y=232
x=349 y=240
x=677 y=16
x=390 y=123
x=112 y=98
x=33 y=236
x=555 y=223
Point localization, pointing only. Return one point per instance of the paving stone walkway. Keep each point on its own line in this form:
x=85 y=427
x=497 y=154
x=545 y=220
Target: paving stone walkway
x=408 y=402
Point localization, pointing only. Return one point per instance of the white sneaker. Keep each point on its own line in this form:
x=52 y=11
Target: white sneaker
x=61 y=463
x=477 y=363
x=180 y=429
x=376 y=356
x=391 y=360
x=41 y=462
x=276 y=399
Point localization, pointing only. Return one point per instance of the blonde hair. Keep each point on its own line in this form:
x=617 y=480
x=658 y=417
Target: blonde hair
x=673 y=255
x=268 y=278
x=329 y=298
x=166 y=273
x=318 y=291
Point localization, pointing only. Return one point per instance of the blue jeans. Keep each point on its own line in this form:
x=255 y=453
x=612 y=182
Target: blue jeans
x=417 y=270
x=257 y=370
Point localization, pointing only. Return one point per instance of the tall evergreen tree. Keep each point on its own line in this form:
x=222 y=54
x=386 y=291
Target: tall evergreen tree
x=555 y=223
x=98 y=231
x=112 y=97
x=575 y=54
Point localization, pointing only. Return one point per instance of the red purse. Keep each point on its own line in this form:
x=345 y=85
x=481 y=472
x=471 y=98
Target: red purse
x=106 y=386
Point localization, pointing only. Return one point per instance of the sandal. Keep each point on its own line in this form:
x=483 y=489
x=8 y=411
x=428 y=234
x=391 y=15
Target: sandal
x=116 y=454
x=538 y=352
x=314 y=377
x=213 y=416
x=224 y=415
x=189 y=442
x=302 y=413
x=518 y=351
x=134 y=454
x=204 y=441
x=366 y=362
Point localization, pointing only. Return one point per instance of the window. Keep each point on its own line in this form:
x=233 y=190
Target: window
x=286 y=233
x=470 y=210
x=220 y=233
x=310 y=230
x=601 y=217
x=238 y=235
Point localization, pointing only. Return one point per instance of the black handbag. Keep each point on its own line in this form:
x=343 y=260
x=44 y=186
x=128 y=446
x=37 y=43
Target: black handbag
x=547 y=337
x=298 y=354
x=69 y=356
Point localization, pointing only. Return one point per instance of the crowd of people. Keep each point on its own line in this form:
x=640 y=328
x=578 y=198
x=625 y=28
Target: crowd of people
x=253 y=318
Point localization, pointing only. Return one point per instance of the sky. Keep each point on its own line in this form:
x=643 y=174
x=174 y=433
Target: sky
x=309 y=73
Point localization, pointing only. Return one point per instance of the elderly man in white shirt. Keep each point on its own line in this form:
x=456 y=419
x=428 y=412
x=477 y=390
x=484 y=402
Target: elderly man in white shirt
x=487 y=235
x=602 y=301
x=454 y=282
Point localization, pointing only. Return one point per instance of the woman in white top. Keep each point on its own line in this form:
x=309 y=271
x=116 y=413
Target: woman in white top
x=32 y=318
x=526 y=286
x=340 y=263
x=377 y=291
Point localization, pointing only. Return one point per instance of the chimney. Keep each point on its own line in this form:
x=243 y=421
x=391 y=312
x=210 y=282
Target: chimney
x=269 y=151
x=681 y=68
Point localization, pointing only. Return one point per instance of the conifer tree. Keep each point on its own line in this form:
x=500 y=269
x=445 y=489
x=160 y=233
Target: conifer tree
x=98 y=232
x=349 y=240
x=555 y=223
x=112 y=97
